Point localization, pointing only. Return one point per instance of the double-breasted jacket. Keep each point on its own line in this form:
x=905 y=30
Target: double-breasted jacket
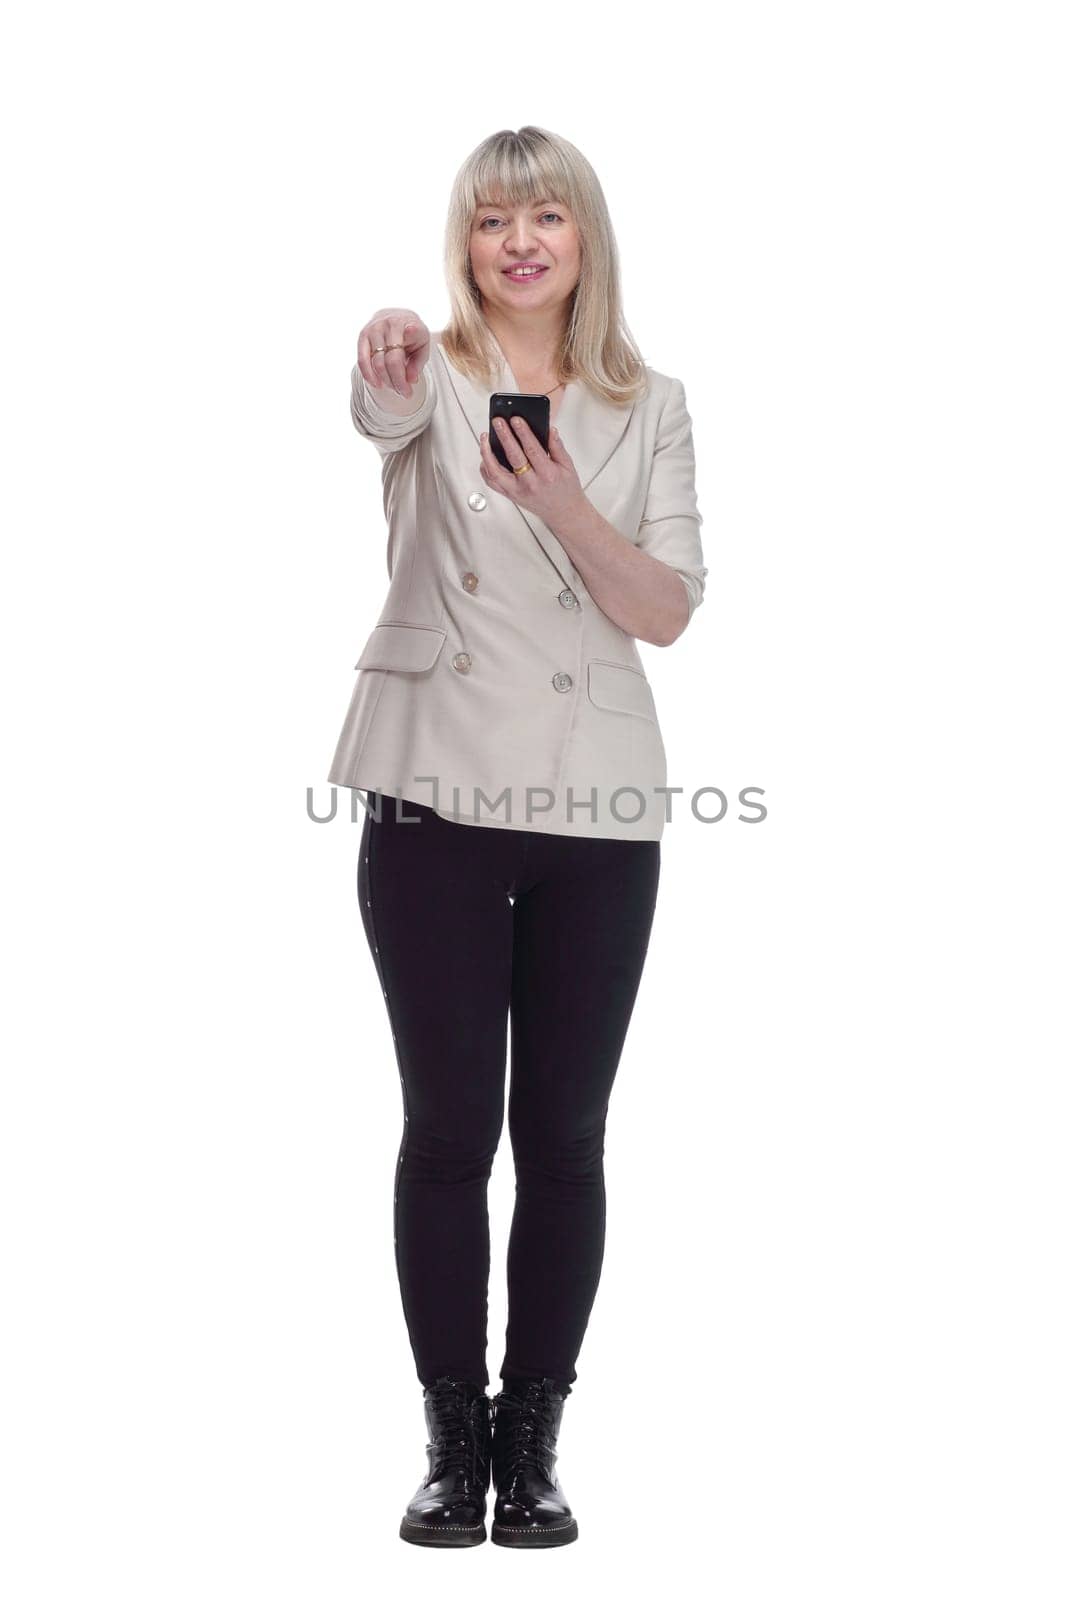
x=492 y=687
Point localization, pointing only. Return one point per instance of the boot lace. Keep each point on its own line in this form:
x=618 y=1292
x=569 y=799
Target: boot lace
x=455 y=1436
x=528 y=1439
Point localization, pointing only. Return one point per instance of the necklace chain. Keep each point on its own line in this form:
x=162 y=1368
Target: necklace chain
x=560 y=385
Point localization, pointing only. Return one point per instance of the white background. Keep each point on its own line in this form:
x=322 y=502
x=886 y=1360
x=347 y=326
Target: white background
x=826 y=1356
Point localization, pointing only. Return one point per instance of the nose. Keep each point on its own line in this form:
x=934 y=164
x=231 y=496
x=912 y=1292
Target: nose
x=522 y=239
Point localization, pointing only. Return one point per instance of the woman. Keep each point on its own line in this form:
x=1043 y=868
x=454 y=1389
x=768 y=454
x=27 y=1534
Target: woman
x=507 y=740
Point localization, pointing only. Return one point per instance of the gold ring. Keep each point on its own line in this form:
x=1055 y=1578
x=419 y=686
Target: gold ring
x=526 y=468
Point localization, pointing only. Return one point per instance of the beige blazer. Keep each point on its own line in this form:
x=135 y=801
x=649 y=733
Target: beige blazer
x=493 y=688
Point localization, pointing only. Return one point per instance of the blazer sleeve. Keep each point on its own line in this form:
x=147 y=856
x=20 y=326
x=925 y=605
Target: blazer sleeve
x=387 y=431
x=670 y=526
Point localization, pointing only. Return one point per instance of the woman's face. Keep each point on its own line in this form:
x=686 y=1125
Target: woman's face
x=505 y=237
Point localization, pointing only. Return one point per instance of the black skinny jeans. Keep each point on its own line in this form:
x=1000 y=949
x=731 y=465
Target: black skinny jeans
x=456 y=963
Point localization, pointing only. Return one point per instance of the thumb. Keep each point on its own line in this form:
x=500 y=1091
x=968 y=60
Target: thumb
x=556 y=448
x=416 y=358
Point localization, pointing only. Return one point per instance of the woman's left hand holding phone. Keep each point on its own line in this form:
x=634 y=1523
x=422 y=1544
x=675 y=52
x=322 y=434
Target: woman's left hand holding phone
x=551 y=489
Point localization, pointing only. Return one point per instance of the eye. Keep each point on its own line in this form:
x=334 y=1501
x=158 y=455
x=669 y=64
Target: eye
x=484 y=223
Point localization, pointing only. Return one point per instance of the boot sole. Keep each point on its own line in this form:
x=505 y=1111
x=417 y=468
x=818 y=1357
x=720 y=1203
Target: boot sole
x=534 y=1538
x=461 y=1536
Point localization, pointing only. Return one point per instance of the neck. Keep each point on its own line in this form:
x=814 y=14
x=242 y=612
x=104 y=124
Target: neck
x=531 y=347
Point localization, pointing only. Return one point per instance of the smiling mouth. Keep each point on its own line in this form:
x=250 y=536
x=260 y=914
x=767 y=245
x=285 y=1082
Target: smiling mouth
x=523 y=272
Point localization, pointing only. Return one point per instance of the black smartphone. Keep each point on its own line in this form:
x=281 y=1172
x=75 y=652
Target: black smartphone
x=535 y=408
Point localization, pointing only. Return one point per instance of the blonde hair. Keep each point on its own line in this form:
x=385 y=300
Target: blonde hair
x=517 y=169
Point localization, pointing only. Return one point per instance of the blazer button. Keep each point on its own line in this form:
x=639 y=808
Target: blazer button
x=469 y=581
x=563 y=681
x=461 y=662
x=567 y=598
x=476 y=501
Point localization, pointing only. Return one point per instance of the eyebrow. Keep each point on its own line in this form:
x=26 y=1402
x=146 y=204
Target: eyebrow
x=489 y=206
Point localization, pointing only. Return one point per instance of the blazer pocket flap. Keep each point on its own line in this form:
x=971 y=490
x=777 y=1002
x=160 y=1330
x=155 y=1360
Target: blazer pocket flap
x=402 y=647
x=619 y=688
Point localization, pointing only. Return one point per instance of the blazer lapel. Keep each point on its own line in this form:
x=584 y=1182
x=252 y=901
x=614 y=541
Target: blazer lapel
x=591 y=430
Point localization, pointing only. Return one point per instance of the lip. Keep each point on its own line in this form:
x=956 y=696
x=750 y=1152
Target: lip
x=509 y=272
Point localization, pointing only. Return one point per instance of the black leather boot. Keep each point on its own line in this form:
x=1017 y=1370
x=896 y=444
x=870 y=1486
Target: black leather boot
x=531 y=1510
x=449 y=1505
